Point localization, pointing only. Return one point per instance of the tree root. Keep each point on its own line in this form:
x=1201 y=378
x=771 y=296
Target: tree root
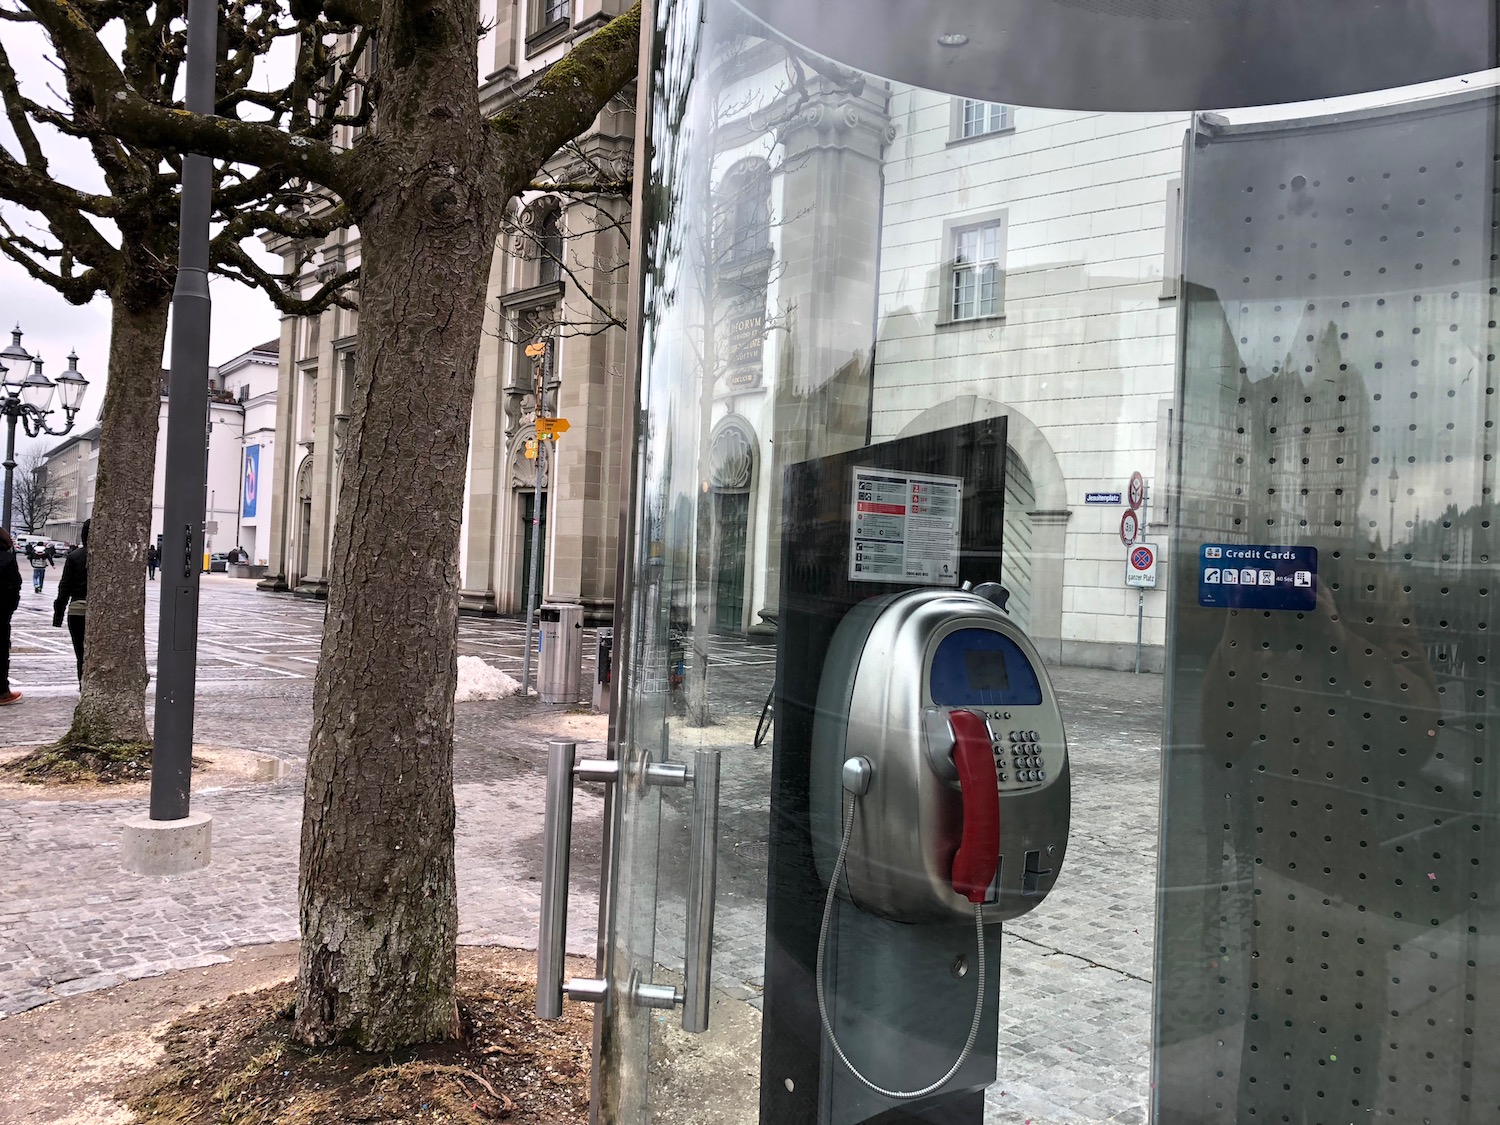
x=105 y=763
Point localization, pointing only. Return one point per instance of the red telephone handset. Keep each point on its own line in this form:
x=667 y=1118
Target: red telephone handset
x=978 y=854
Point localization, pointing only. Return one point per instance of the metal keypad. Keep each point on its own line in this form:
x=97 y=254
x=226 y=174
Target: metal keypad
x=1019 y=756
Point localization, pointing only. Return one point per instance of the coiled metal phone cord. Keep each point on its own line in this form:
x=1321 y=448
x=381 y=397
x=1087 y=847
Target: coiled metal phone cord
x=963 y=1056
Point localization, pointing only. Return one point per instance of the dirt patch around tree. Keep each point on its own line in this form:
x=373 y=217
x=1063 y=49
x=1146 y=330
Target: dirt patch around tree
x=128 y=775
x=196 y=1046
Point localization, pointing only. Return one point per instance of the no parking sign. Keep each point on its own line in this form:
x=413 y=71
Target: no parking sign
x=1140 y=565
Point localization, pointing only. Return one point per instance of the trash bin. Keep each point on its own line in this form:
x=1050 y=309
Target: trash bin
x=561 y=657
x=604 y=653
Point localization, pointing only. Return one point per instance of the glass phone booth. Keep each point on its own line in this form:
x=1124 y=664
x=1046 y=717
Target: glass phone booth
x=949 y=307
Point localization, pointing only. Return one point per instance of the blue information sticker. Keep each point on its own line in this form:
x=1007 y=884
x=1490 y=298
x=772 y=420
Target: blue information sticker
x=1241 y=576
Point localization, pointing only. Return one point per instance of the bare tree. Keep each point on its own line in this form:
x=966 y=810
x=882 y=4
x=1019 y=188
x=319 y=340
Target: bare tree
x=35 y=499
x=428 y=186
x=122 y=242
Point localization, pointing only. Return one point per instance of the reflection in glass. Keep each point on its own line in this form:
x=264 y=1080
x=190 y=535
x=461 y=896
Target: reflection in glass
x=1324 y=885
x=836 y=263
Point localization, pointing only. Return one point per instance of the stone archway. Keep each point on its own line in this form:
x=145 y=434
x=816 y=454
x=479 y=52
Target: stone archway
x=298 y=555
x=1037 y=523
x=527 y=496
x=732 y=465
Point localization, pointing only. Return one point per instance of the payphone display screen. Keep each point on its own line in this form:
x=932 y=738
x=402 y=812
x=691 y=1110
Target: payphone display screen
x=982 y=668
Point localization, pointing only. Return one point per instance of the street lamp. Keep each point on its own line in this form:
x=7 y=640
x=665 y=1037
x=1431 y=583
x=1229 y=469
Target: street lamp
x=28 y=399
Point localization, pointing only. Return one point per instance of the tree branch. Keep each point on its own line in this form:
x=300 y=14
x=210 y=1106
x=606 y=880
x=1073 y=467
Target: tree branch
x=566 y=99
x=335 y=291
x=121 y=110
x=576 y=187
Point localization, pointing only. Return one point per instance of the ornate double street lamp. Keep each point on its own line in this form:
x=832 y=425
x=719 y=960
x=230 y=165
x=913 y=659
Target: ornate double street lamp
x=28 y=399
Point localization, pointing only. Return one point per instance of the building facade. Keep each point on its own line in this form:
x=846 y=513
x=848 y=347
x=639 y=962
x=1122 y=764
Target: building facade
x=71 y=467
x=240 y=434
x=240 y=450
x=558 y=278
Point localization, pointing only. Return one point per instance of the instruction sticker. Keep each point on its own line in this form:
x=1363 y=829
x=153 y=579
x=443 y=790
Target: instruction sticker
x=1240 y=576
x=905 y=527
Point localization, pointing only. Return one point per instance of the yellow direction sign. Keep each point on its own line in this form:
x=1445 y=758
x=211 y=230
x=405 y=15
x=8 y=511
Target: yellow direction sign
x=551 y=427
x=531 y=449
x=535 y=349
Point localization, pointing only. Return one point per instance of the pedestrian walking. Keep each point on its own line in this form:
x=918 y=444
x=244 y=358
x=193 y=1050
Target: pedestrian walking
x=72 y=595
x=153 y=560
x=10 y=598
x=41 y=557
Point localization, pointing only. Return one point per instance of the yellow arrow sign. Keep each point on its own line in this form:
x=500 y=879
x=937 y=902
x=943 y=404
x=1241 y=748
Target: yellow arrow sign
x=551 y=427
x=535 y=349
x=531 y=449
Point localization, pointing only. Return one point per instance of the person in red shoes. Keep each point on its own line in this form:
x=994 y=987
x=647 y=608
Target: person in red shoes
x=10 y=598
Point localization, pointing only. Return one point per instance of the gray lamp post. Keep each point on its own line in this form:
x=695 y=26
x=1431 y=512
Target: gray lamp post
x=27 y=399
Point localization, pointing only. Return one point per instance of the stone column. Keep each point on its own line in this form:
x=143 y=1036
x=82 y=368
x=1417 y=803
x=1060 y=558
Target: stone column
x=278 y=529
x=830 y=221
x=487 y=453
x=314 y=583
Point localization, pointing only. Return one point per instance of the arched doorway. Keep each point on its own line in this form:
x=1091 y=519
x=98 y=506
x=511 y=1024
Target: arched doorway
x=304 y=521
x=1036 y=514
x=731 y=467
x=528 y=503
x=1020 y=537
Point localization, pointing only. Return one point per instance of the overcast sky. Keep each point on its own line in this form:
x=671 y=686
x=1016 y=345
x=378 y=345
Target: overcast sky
x=242 y=317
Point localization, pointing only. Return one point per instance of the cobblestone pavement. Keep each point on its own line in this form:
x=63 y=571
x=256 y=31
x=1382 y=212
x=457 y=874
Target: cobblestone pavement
x=1076 y=992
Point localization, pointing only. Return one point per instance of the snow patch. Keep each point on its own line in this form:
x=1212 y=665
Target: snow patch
x=478 y=680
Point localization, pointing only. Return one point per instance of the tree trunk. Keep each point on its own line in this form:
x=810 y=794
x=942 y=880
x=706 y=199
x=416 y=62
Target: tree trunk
x=112 y=700
x=378 y=899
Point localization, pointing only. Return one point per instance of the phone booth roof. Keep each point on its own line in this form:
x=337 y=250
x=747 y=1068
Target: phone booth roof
x=1146 y=54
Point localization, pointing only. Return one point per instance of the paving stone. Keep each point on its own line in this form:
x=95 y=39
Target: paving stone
x=1075 y=998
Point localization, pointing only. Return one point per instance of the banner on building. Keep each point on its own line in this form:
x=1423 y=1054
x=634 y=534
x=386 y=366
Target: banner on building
x=252 y=479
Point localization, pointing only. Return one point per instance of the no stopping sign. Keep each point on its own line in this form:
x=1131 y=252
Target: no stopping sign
x=1140 y=565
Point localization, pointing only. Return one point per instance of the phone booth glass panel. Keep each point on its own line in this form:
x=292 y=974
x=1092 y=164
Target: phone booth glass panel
x=947 y=299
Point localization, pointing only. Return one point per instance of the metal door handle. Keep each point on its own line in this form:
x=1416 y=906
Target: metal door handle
x=557 y=835
x=703 y=867
x=563 y=769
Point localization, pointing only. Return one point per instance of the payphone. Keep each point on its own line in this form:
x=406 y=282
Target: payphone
x=939 y=791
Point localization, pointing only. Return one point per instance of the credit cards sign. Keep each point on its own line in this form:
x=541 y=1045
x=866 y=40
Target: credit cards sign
x=1251 y=576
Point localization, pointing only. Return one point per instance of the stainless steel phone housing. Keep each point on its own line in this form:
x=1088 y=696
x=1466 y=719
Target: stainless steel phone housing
x=876 y=701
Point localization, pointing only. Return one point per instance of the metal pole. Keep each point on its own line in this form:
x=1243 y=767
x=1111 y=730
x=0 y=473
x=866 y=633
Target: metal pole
x=10 y=464
x=177 y=647
x=1140 y=621
x=543 y=373
x=536 y=550
x=1140 y=594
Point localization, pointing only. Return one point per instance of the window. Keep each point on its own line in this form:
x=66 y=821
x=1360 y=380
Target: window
x=977 y=271
x=743 y=219
x=1171 y=266
x=312 y=329
x=550 y=250
x=309 y=409
x=976 y=118
x=547 y=23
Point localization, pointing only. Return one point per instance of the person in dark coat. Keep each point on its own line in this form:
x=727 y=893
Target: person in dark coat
x=153 y=560
x=10 y=598
x=72 y=595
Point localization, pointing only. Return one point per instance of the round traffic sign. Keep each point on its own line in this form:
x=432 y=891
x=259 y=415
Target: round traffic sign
x=1137 y=490
x=1130 y=526
x=1142 y=558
